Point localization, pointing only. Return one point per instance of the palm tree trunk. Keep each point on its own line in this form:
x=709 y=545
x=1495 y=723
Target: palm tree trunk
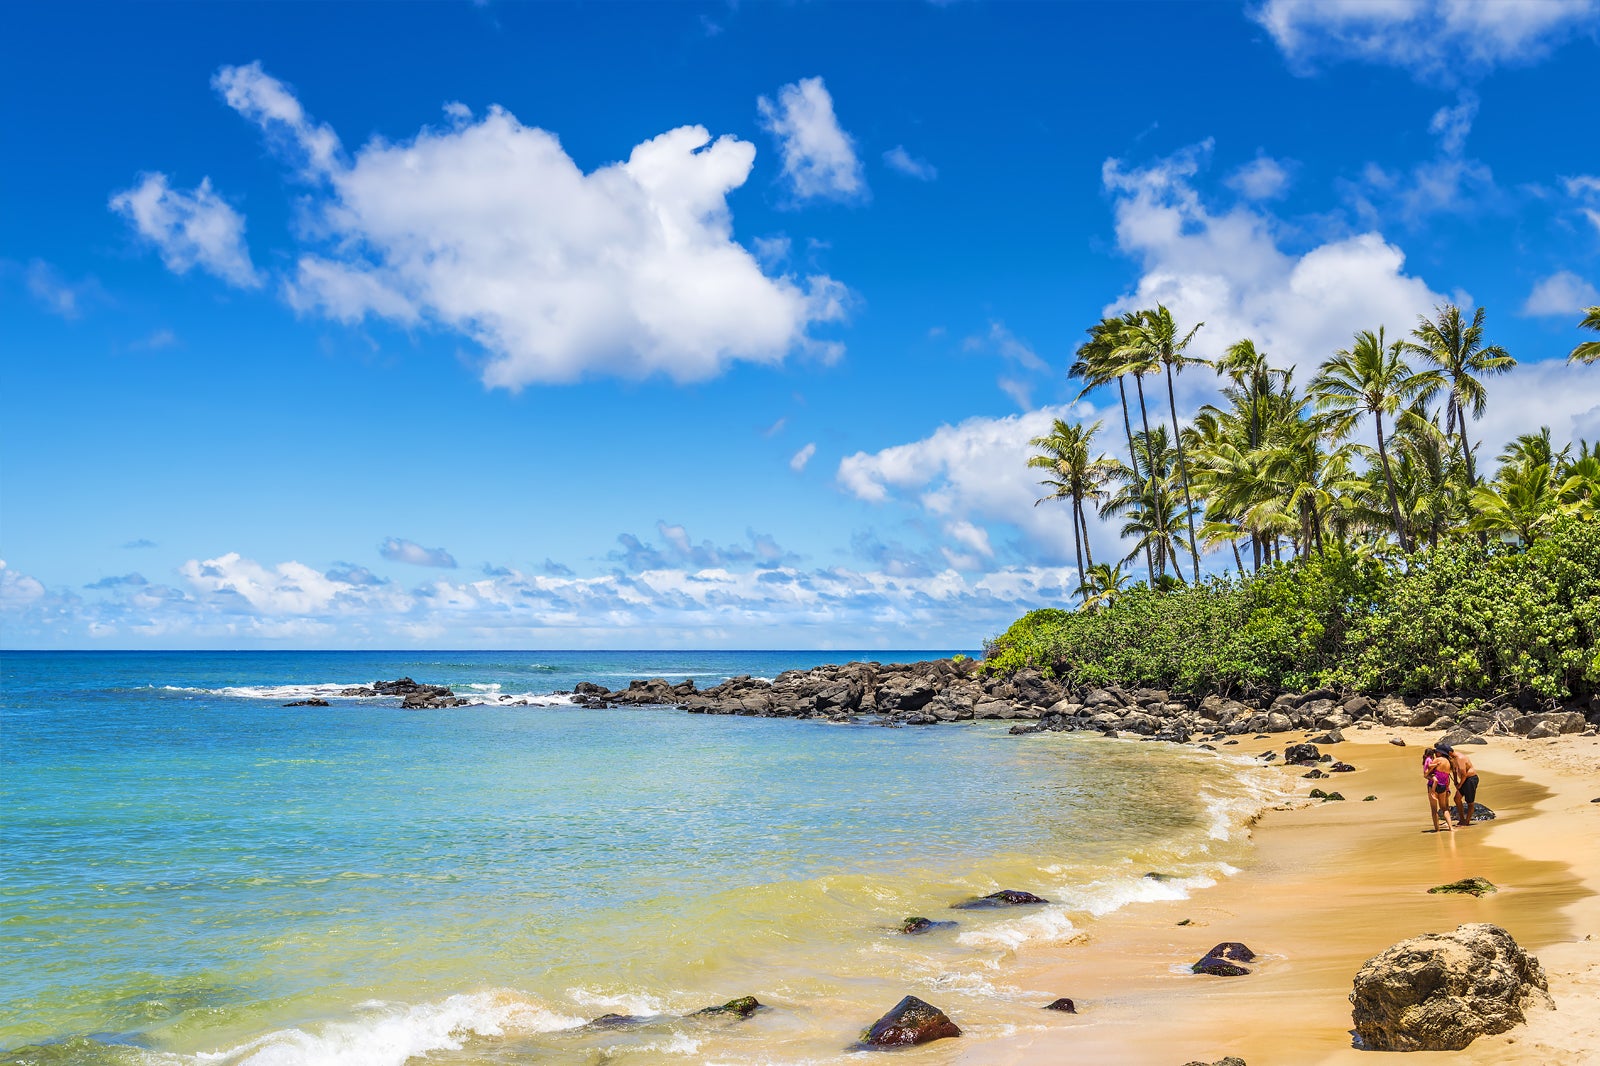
x=1183 y=472
x=1238 y=560
x=1088 y=552
x=1255 y=551
x=1150 y=467
x=1077 y=546
x=1133 y=457
x=1388 y=481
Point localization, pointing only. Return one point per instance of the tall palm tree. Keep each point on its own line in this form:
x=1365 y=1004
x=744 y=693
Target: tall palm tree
x=1370 y=377
x=1588 y=351
x=1074 y=476
x=1148 y=505
x=1097 y=364
x=1457 y=349
x=1155 y=341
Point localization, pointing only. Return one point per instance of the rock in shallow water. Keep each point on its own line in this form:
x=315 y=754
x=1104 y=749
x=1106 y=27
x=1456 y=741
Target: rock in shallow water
x=1064 y=1005
x=1467 y=886
x=911 y=1021
x=742 y=1007
x=917 y=924
x=1441 y=991
x=1006 y=897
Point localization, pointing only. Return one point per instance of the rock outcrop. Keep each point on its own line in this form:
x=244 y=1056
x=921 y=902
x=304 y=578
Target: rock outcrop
x=1441 y=991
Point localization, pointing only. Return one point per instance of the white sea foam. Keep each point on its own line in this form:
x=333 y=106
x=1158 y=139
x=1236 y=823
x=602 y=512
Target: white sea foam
x=322 y=690
x=480 y=695
x=393 y=1034
x=636 y=1003
x=1048 y=926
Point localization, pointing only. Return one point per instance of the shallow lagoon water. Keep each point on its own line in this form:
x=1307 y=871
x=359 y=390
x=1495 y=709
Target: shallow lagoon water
x=196 y=874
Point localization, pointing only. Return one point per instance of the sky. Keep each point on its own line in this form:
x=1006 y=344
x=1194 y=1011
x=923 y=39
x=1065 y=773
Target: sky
x=716 y=325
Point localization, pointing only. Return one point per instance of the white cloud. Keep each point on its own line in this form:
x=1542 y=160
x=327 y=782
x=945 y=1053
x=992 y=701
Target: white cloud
x=819 y=158
x=1585 y=189
x=897 y=158
x=272 y=105
x=1554 y=393
x=404 y=551
x=971 y=474
x=1562 y=293
x=798 y=461
x=189 y=229
x=58 y=295
x=1263 y=178
x=1228 y=270
x=1442 y=41
x=231 y=601
x=1449 y=182
x=489 y=229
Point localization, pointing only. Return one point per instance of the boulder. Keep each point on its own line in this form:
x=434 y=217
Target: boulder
x=742 y=1007
x=1332 y=736
x=1064 y=1005
x=1301 y=755
x=1333 y=797
x=313 y=702
x=1279 y=723
x=917 y=924
x=1553 y=724
x=1233 y=951
x=1467 y=886
x=1314 y=774
x=1006 y=897
x=1341 y=768
x=1229 y=1060
x=1441 y=991
x=1216 y=967
x=1358 y=707
x=911 y=1021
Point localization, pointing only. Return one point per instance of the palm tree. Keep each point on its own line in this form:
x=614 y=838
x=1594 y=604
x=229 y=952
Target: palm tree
x=1520 y=501
x=1370 y=377
x=1064 y=452
x=1102 y=585
x=1147 y=503
x=1588 y=351
x=1155 y=341
x=1458 y=351
x=1097 y=365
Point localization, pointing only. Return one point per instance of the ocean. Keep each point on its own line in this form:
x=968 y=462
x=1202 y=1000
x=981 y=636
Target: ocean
x=194 y=873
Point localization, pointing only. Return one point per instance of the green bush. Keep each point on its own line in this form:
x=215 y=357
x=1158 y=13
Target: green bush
x=1460 y=618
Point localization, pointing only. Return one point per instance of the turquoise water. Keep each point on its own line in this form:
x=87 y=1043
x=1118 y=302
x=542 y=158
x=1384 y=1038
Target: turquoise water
x=195 y=873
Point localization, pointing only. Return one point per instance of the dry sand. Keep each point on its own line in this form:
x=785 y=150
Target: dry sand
x=1330 y=885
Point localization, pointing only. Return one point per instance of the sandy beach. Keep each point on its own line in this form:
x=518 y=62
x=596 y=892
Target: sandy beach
x=1331 y=885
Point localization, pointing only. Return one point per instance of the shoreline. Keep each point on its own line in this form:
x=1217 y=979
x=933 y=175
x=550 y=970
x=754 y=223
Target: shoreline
x=1330 y=885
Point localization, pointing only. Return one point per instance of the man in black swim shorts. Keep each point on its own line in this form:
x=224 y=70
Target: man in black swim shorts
x=1466 y=782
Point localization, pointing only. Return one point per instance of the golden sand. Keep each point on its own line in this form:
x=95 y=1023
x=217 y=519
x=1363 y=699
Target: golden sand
x=1329 y=886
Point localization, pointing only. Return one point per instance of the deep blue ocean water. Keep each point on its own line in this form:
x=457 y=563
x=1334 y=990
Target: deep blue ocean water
x=193 y=872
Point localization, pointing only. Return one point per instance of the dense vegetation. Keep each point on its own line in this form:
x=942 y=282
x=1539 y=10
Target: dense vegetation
x=1390 y=566
x=1462 y=618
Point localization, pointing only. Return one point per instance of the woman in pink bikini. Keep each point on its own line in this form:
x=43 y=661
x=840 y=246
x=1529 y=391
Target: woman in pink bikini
x=1436 y=776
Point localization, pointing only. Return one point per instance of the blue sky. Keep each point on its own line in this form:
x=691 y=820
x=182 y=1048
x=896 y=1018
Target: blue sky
x=693 y=325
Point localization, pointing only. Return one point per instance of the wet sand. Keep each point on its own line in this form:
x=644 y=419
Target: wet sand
x=1329 y=886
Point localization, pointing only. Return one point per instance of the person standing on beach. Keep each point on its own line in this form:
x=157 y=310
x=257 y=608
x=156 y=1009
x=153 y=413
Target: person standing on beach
x=1436 y=776
x=1466 y=782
